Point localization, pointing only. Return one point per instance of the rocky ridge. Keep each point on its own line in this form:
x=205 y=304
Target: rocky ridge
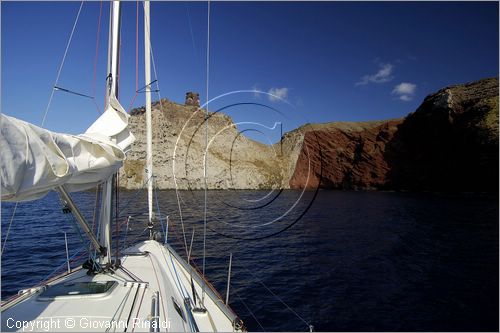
x=233 y=160
x=449 y=143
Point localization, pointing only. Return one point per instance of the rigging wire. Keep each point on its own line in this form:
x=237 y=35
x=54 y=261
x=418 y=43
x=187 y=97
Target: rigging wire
x=117 y=215
x=96 y=50
x=192 y=261
x=126 y=205
x=137 y=46
x=206 y=149
x=8 y=229
x=78 y=251
x=155 y=191
x=190 y=27
x=120 y=22
x=96 y=57
x=132 y=198
x=278 y=298
x=163 y=110
x=136 y=56
x=310 y=327
x=62 y=64
x=86 y=245
x=77 y=229
x=250 y=311
x=56 y=88
x=98 y=234
x=147 y=85
x=94 y=214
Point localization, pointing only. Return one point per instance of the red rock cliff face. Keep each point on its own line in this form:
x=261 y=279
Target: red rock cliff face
x=449 y=143
x=345 y=156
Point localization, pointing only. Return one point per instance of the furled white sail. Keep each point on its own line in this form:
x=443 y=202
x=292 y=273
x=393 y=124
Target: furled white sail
x=35 y=160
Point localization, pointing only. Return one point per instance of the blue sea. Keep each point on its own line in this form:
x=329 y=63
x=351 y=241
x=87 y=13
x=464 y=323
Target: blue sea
x=340 y=261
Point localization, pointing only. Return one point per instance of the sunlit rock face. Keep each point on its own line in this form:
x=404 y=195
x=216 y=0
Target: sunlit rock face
x=450 y=143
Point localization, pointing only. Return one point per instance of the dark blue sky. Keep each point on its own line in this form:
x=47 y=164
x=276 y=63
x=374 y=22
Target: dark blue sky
x=333 y=61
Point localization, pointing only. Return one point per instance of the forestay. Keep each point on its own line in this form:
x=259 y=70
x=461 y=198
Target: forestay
x=35 y=160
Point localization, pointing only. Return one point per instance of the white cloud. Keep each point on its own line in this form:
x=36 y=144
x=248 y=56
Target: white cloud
x=405 y=91
x=405 y=88
x=277 y=94
x=405 y=98
x=384 y=74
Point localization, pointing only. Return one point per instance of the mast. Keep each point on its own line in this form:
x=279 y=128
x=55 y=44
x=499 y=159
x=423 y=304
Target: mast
x=113 y=50
x=149 y=134
x=106 y=211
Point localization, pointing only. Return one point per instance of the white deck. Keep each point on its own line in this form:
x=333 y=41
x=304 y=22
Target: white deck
x=148 y=269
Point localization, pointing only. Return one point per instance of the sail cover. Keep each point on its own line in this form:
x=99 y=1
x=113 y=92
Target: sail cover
x=35 y=160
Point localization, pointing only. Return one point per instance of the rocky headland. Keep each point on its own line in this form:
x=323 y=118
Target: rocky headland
x=450 y=143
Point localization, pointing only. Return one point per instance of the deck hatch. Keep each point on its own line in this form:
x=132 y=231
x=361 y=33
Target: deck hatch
x=74 y=289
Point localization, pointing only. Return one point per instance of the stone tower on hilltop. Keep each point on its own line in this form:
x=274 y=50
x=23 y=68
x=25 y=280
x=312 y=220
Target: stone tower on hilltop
x=192 y=99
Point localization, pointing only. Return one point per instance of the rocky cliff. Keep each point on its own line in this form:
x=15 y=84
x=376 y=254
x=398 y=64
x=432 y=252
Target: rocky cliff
x=233 y=160
x=449 y=143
